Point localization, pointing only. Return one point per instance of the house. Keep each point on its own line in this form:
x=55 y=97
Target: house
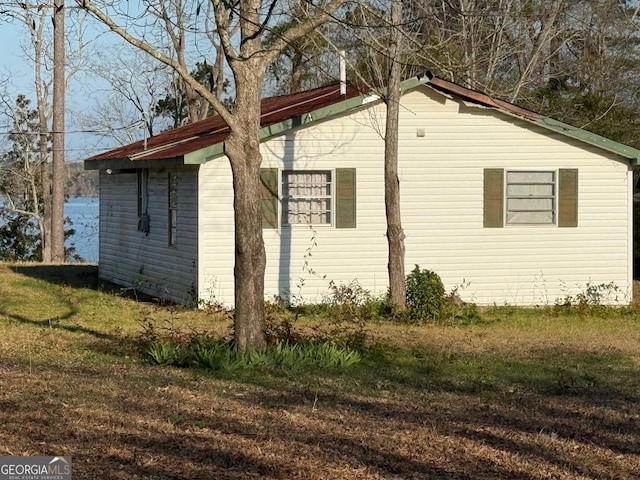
x=506 y=205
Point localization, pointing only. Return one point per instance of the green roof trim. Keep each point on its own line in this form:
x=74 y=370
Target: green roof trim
x=319 y=114
x=204 y=154
x=633 y=154
x=213 y=151
x=332 y=110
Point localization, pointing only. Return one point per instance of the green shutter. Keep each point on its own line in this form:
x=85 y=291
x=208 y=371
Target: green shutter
x=345 y=198
x=269 y=197
x=568 y=197
x=493 y=197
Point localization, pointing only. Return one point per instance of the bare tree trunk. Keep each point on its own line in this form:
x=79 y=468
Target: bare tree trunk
x=43 y=143
x=248 y=62
x=45 y=183
x=57 y=191
x=395 y=234
x=539 y=52
x=243 y=149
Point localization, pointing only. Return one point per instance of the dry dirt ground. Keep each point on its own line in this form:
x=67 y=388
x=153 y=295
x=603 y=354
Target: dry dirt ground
x=145 y=422
x=468 y=402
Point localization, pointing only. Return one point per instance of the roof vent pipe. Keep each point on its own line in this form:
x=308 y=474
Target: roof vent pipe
x=343 y=74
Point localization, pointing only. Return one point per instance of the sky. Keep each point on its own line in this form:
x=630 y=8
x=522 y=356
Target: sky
x=16 y=77
x=11 y=58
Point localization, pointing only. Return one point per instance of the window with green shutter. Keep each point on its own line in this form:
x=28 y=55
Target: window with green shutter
x=530 y=197
x=309 y=197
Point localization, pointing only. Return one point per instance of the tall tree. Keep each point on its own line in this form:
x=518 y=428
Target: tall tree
x=395 y=233
x=57 y=180
x=241 y=27
x=575 y=60
x=302 y=63
x=38 y=51
x=135 y=83
x=179 y=105
x=592 y=79
x=498 y=46
x=383 y=43
x=22 y=233
x=36 y=18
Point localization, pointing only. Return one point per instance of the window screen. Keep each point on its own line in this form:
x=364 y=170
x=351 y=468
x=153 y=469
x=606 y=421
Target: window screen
x=531 y=197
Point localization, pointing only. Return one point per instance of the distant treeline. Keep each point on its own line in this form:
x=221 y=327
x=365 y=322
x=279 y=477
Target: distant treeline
x=81 y=182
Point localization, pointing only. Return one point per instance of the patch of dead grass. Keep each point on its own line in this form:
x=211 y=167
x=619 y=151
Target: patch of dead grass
x=69 y=389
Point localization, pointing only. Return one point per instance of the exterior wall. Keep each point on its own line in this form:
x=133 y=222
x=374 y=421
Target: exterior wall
x=441 y=176
x=442 y=188
x=142 y=261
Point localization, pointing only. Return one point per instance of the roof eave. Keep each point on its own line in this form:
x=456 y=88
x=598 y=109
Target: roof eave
x=208 y=153
x=630 y=153
x=128 y=163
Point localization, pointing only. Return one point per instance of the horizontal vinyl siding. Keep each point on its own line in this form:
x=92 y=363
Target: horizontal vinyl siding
x=442 y=189
x=441 y=178
x=147 y=262
x=305 y=265
x=216 y=246
x=295 y=266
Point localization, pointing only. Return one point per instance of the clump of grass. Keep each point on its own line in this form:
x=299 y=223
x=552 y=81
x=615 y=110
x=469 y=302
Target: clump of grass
x=289 y=347
x=166 y=353
x=222 y=355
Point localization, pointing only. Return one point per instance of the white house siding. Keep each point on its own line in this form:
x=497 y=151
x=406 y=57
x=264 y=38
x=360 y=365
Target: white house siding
x=442 y=201
x=147 y=263
x=302 y=261
x=441 y=175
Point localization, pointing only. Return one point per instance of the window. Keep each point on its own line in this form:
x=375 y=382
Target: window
x=306 y=197
x=319 y=197
x=531 y=197
x=143 y=217
x=173 y=207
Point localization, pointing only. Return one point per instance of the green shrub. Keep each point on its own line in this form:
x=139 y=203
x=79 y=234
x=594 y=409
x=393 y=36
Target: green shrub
x=279 y=318
x=425 y=295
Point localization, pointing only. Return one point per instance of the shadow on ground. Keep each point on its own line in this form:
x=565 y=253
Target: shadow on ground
x=151 y=423
x=76 y=275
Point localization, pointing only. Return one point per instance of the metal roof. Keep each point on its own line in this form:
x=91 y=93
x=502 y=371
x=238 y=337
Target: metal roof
x=193 y=137
x=200 y=141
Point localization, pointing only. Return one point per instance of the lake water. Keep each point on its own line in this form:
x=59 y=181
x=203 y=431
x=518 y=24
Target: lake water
x=83 y=212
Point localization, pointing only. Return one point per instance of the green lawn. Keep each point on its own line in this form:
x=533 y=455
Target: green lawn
x=518 y=394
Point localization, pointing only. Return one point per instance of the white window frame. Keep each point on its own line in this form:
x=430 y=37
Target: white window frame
x=520 y=196
x=284 y=213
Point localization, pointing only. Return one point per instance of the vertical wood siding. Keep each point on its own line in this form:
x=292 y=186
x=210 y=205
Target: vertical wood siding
x=130 y=258
x=441 y=178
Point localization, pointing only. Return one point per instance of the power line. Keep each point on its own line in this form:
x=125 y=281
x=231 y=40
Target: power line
x=70 y=132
